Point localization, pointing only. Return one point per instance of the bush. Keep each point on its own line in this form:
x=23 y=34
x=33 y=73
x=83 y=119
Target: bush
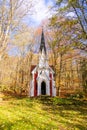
x=61 y=101
x=77 y=95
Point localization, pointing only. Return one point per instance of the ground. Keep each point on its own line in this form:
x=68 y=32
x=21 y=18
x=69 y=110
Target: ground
x=43 y=113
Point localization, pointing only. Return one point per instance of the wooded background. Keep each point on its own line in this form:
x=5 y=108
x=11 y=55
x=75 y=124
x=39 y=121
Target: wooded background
x=66 y=42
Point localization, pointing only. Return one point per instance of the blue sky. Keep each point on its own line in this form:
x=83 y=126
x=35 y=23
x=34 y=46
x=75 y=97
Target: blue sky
x=48 y=1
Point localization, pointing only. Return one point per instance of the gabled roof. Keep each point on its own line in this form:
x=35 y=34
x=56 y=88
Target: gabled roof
x=35 y=67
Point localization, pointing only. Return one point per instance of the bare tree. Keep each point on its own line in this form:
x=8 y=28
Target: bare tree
x=12 y=13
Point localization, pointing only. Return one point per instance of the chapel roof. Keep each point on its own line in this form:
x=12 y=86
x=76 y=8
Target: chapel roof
x=33 y=67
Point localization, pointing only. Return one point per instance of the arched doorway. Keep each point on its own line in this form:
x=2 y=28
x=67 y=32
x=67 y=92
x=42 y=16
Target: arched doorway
x=43 y=88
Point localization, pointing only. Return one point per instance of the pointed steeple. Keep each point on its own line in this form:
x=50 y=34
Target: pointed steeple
x=42 y=44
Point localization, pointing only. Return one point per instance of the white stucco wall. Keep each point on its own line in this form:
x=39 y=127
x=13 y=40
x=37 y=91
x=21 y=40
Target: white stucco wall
x=53 y=88
x=32 y=89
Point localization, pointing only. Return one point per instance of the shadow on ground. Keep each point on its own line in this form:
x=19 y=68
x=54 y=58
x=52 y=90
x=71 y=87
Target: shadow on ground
x=72 y=111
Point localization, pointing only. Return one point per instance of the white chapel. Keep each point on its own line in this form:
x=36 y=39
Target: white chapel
x=42 y=82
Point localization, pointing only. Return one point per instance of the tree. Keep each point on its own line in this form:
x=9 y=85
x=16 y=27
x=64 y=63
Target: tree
x=63 y=43
x=78 y=8
x=60 y=42
x=83 y=67
x=12 y=13
x=24 y=41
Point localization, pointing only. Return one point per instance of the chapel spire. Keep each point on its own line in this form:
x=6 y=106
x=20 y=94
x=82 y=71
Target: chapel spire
x=42 y=44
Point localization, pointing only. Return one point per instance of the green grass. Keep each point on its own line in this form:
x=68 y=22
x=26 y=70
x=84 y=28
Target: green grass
x=43 y=113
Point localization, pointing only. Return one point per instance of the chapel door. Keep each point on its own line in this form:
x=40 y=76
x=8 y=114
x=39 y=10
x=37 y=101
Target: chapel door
x=43 y=88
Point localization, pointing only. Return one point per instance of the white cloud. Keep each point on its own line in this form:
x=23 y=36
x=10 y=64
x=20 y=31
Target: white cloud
x=41 y=11
x=71 y=14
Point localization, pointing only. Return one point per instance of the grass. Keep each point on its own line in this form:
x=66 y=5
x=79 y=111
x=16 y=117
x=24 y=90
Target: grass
x=43 y=113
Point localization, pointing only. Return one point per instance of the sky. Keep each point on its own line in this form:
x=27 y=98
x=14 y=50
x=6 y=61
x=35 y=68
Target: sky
x=41 y=12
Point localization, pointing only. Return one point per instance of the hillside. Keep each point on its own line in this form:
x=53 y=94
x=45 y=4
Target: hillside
x=42 y=113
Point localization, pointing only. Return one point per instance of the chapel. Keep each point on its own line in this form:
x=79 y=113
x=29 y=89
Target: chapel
x=42 y=82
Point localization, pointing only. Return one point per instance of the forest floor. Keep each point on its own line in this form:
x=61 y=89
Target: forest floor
x=42 y=113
